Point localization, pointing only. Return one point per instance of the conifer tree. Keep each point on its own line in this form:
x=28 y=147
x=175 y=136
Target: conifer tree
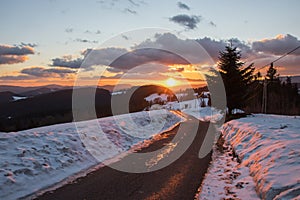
x=236 y=78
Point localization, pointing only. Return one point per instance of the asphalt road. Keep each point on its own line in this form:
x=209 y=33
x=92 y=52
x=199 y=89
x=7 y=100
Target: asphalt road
x=179 y=180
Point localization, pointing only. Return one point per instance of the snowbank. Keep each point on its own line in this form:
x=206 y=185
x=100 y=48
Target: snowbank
x=38 y=158
x=226 y=178
x=269 y=145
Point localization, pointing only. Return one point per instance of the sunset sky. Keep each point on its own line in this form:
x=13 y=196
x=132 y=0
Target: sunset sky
x=46 y=42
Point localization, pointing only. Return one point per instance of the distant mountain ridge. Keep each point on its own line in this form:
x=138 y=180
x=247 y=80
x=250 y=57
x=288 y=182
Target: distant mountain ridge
x=46 y=109
x=54 y=107
x=36 y=90
x=21 y=89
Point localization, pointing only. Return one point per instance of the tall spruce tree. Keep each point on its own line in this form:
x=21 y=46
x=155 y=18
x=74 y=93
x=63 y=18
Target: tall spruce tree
x=236 y=78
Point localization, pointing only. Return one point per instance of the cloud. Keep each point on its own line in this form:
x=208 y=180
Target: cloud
x=97 y=32
x=67 y=61
x=102 y=56
x=90 y=57
x=32 y=73
x=69 y=30
x=189 y=22
x=279 y=45
x=148 y=55
x=212 y=24
x=188 y=49
x=183 y=6
x=165 y=49
x=16 y=50
x=125 y=37
x=121 y=60
x=85 y=41
x=14 y=54
x=213 y=47
x=128 y=10
x=164 y=52
x=15 y=78
x=29 y=44
x=43 y=72
x=11 y=59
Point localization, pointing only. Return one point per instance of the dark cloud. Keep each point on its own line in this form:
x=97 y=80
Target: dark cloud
x=85 y=41
x=189 y=22
x=69 y=30
x=32 y=73
x=16 y=50
x=213 y=47
x=15 y=54
x=43 y=72
x=128 y=10
x=169 y=50
x=212 y=24
x=183 y=6
x=97 y=32
x=32 y=45
x=246 y=50
x=15 y=78
x=125 y=37
x=68 y=62
x=186 y=48
x=89 y=58
x=147 y=55
x=278 y=45
x=104 y=56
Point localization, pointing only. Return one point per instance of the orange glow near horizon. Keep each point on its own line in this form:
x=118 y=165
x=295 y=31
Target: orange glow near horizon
x=171 y=82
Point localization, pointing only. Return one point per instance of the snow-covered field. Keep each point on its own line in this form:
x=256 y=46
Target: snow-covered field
x=268 y=147
x=202 y=113
x=34 y=159
x=192 y=107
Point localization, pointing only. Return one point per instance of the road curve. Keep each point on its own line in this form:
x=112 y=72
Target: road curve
x=179 y=180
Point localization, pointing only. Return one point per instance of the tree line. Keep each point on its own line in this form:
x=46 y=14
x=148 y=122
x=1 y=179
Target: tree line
x=253 y=93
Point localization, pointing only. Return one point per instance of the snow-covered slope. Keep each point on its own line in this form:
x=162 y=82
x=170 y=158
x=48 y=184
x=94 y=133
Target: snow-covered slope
x=38 y=158
x=192 y=107
x=269 y=145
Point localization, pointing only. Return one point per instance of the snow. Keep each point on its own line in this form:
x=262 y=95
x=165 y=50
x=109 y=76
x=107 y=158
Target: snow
x=237 y=111
x=226 y=178
x=268 y=147
x=181 y=95
x=35 y=159
x=153 y=97
x=192 y=107
x=118 y=92
x=16 y=98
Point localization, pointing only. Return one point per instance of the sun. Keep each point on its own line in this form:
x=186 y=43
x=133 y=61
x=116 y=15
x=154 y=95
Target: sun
x=171 y=82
